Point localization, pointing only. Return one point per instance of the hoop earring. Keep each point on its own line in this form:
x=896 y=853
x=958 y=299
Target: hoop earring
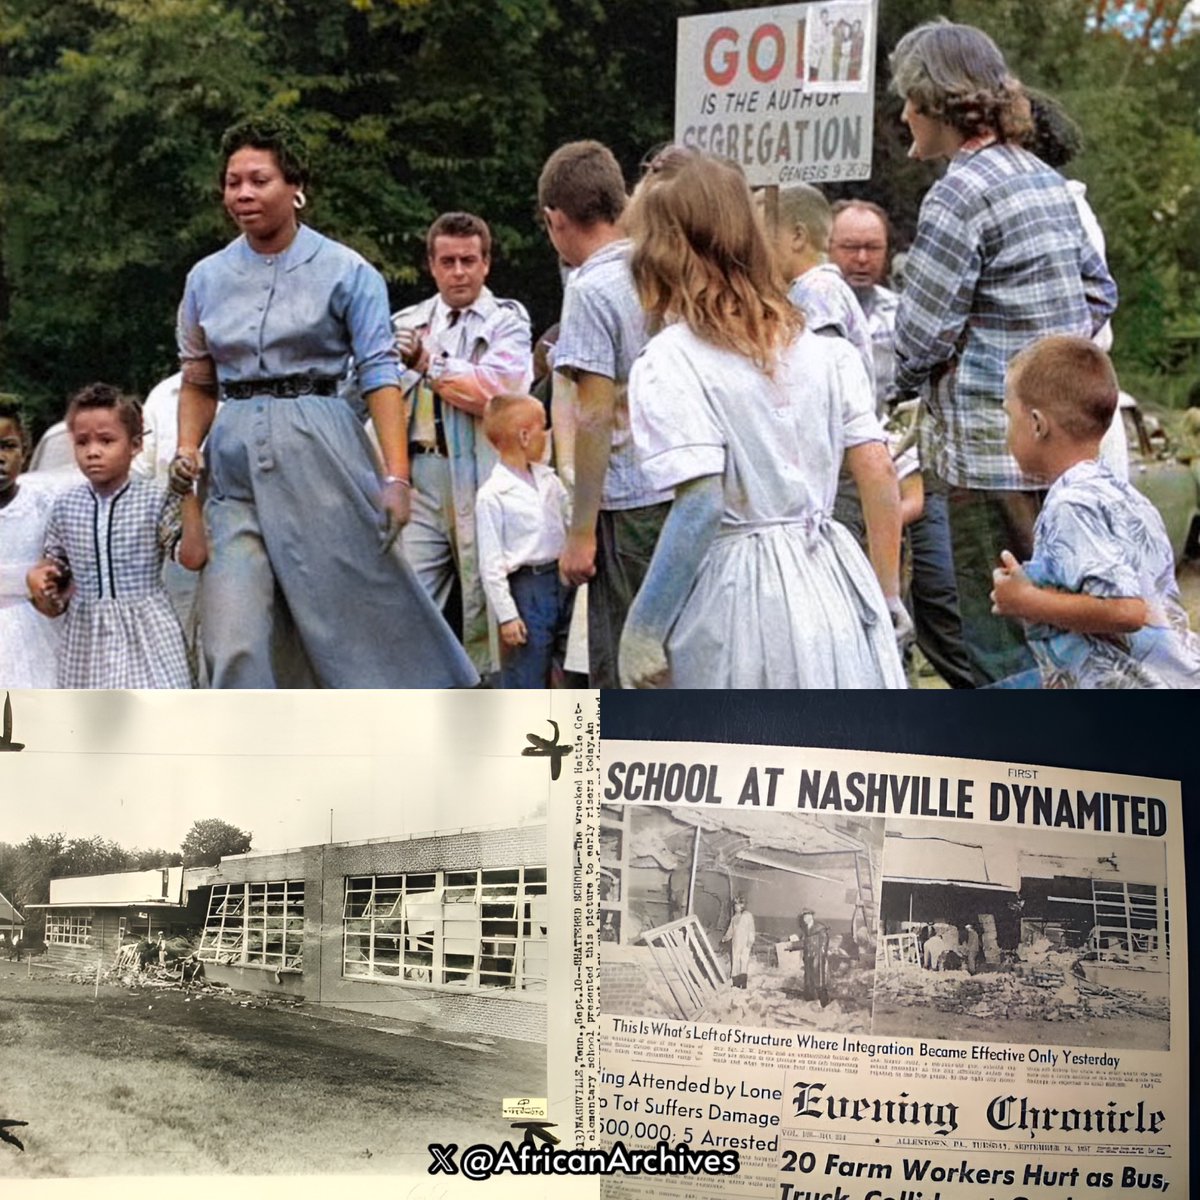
x=299 y=200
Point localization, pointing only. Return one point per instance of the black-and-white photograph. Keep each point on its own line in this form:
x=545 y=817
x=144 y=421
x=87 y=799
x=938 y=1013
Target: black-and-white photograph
x=837 y=47
x=1066 y=935
x=759 y=919
x=280 y=934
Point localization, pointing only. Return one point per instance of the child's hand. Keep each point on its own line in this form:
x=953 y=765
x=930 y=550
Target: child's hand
x=1011 y=588
x=514 y=633
x=643 y=659
x=183 y=472
x=48 y=589
x=902 y=623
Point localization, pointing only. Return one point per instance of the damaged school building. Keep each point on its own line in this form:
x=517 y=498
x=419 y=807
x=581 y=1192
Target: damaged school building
x=449 y=929
x=1104 y=913
x=668 y=881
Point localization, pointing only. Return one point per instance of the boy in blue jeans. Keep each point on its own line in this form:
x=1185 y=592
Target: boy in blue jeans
x=521 y=525
x=1099 y=594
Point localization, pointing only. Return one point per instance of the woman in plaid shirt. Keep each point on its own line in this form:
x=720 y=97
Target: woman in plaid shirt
x=1000 y=259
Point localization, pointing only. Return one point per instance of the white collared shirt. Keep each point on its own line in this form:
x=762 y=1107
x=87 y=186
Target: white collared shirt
x=518 y=524
x=446 y=339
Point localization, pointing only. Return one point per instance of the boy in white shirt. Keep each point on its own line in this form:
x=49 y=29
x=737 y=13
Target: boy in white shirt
x=521 y=524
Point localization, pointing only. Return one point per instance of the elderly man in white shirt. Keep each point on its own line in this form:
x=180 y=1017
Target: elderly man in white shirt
x=460 y=348
x=521 y=516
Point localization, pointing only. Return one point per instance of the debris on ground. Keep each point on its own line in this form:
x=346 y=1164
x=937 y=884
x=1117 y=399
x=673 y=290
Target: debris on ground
x=176 y=978
x=776 y=1000
x=1041 y=986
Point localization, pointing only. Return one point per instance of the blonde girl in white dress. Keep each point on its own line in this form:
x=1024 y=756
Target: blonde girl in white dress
x=748 y=418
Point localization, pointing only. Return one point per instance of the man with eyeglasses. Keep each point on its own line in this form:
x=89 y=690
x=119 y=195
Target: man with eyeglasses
x=860 y=245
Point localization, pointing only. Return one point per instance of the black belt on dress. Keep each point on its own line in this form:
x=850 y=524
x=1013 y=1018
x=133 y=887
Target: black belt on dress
x=282 y=387
x=543 y=568
x=415 y=448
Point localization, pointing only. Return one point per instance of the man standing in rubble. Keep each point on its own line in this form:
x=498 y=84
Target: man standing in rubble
x=935 y=947
x=813 y=943
x=741 y=936
x=972 y=947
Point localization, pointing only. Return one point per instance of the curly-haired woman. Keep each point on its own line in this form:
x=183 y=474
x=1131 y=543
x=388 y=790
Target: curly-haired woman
x=1000 y=259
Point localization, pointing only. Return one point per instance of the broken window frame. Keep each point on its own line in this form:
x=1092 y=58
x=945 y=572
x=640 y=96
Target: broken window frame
x=255 y=924
x=463 y=930
x=68 y=929
x=1130 y=923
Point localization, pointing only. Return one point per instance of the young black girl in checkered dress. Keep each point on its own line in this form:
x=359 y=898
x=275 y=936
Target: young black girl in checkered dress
x=104 y=548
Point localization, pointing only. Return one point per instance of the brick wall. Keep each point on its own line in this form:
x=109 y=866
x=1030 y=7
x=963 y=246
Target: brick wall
x=631 y=983
x=484 y=849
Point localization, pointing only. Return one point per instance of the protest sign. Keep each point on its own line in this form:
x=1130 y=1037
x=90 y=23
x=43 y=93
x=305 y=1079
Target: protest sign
x=786 y=92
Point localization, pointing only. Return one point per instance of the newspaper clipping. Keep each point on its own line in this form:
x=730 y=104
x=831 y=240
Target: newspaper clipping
x=891 y=977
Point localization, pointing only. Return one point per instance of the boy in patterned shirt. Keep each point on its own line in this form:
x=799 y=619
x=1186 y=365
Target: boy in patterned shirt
x=1099 y=594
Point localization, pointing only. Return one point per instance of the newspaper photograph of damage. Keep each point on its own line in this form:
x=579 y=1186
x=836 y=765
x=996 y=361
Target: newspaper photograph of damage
x=282 y=940
x=881 y=976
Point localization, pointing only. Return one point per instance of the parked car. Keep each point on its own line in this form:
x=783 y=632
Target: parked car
x=55 y=454
x=1166 y=475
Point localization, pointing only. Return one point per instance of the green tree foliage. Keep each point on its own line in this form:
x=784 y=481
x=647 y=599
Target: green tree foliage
x=27 y=869
x=209 y=839
x=107 y=199
x=111 y=111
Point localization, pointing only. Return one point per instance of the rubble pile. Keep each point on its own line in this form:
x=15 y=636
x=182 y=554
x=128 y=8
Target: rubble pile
x=156 y=978
x=1041 y=986
x=126 y=974
x=775 y=1000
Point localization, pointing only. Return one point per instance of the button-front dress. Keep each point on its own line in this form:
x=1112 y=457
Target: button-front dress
x=120 y=630
x=296 y=556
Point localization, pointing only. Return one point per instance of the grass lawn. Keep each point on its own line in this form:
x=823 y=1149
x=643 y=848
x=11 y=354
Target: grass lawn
x=150 y=1082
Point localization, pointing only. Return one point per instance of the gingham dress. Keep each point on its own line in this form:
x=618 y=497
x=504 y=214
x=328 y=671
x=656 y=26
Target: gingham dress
x=120 y=630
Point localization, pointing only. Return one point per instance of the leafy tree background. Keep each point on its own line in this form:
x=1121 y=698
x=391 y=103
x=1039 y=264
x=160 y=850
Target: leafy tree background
x=208 y=840
x=27 y=868
x=111 y=110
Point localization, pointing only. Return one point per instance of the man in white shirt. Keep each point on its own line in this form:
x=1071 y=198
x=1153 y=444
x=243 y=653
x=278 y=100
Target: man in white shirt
x=521 y=519
x=829 y=305
x=460 y=348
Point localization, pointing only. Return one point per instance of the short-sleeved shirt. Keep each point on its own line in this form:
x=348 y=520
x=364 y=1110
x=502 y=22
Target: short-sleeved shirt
x=830 y=306
x=1097 y=535
x=784 y=597
x=780 y=456
x=1000 y=259
x=309 y=308
x=879 y=305
x=603 y=330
